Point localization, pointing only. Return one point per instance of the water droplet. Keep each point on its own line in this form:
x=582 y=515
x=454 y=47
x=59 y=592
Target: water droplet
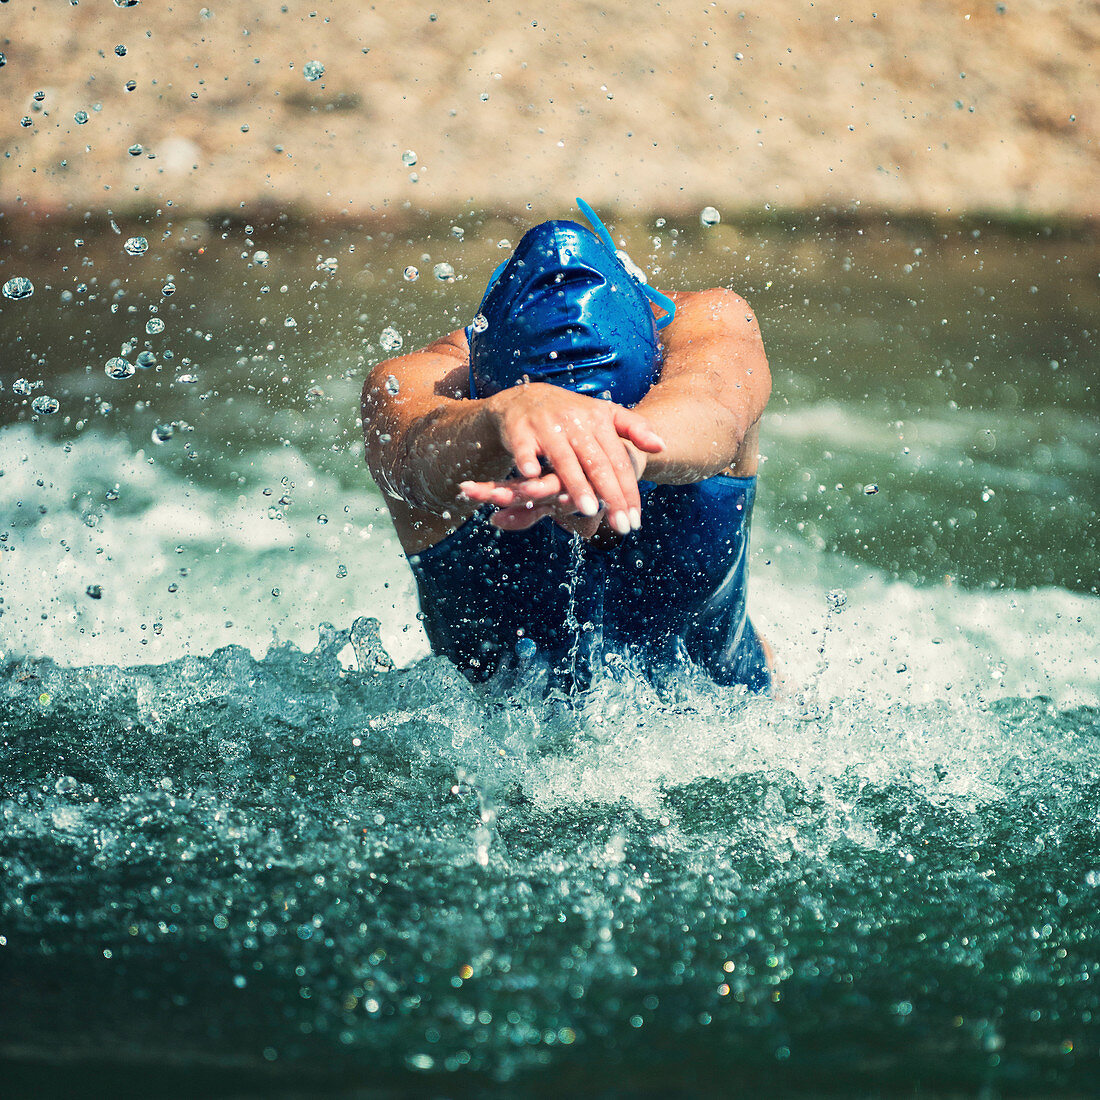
x=481 y=323
x=154 y=326
x=146 y=359
x=39 y=96
x=313 y=70
x=26 y=121
x=130 y=85
x=3 y=60
x=526 y=649
x=80 y=117
x=162 y=433
x=24 y=388
x=188 y=379
x=410 y=274
x=45 y=406
x=458 y=232
x=408 y=158
x=837 y=598
x=870 y=490
x=393 y=387
x=94 y=592
x=444 y=273
x=709 y=216
x=390 y=339
x=260 y=258
x=127 y=3
x=135 y=150
x=118 y=368
x=168 y=289
x=136 y=246
x=120 y=49
x=18 y=287
x=322 y=519
x=290 y=323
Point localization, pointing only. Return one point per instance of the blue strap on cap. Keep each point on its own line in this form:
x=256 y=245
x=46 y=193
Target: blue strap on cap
x=661 y=301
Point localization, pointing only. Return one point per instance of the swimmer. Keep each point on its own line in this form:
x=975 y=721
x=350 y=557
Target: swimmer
x=574 y=474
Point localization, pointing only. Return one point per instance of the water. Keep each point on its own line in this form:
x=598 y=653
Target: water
x=263 y=850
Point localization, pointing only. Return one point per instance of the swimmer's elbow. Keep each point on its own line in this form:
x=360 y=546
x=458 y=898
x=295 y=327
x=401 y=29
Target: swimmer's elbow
x=381 y=436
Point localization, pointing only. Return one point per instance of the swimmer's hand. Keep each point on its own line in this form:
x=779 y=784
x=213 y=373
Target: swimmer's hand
x=591 y=445
x=522 y=502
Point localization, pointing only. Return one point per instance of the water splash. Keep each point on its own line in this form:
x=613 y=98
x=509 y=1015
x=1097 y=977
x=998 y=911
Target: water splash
x=360 y=856
x=17 y=288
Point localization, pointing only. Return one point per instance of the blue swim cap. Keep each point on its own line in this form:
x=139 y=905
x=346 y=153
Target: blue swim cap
x=564 y=310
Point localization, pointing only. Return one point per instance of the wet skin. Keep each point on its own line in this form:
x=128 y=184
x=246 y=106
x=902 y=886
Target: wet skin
x=536 y=450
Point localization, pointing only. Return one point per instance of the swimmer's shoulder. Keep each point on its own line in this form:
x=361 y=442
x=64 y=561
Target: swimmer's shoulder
x=454 y=344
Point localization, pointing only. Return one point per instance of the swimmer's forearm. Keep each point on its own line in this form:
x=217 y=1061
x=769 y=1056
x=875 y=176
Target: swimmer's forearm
x=456 y=443
x=712 y=393
x=423 y=436
x=424 y=462
x=703 y=438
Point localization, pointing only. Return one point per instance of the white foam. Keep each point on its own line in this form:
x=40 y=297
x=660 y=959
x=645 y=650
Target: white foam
x=236 y=556
x=891 y=643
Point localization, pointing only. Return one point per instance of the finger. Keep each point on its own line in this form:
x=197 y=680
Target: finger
x=563 y=458
x=519 y=489
x=523 y=446
x=520 y=517
x=501 y=493
x=612 y=476
x=619 y=456
x=477 y=491
x=563 y=505
x=633 y=426
x=539 y=488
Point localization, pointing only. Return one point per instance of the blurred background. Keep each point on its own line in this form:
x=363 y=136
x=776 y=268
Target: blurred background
x=256 y=109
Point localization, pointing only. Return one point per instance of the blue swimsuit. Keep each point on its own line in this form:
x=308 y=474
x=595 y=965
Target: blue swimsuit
x=565 y=310
x=676 y=587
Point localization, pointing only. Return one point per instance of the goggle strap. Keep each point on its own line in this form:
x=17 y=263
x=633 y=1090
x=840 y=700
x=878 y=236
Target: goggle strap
x=661 y=301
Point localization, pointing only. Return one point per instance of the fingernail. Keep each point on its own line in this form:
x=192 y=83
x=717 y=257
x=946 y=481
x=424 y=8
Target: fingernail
x=635 y=518
x=588 y=505
x=620 y=522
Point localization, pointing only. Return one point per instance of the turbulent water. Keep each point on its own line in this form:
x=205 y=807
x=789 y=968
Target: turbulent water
x=242 y=848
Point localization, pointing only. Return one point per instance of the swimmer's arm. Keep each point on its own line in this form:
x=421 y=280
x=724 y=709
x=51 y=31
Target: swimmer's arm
x=426 y=440
x=422 y=438
x=707 y=406
x=714 y=386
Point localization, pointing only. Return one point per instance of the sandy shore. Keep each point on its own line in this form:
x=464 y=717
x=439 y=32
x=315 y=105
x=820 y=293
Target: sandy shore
x=936 y=107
